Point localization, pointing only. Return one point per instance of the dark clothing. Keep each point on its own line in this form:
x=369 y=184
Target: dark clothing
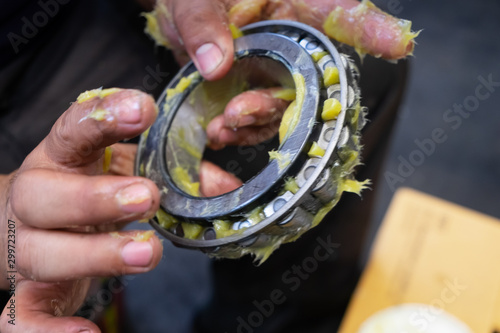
x=95 y=44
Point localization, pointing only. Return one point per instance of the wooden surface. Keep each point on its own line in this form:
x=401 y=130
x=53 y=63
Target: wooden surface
x=432 y=252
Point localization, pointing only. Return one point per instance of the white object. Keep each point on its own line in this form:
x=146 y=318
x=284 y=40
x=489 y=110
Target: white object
x=413 y=318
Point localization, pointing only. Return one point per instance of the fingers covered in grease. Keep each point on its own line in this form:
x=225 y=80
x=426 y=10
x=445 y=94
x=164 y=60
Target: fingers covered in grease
x=249 y=118
x=68 y=199
x=362 y=25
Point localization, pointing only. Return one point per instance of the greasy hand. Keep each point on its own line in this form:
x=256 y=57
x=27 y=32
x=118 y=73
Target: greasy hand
x=65 y=208
x=198 y=30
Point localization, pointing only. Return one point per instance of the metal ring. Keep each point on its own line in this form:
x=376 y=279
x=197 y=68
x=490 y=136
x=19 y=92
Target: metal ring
x=283 y=215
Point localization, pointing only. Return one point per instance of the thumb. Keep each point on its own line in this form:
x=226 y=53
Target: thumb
x=204 y=30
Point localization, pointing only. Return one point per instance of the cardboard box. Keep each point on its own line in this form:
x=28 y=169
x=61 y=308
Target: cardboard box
x=432 y=252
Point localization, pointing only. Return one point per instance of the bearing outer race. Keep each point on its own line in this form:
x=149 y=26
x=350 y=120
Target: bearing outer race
x=273 y=27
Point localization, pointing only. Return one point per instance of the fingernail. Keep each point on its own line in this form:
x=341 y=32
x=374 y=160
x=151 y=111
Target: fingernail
x=209 y=57
x=246 y=121
x=227 y=136
x=134 y=198
x=130 y=111
x=137 y=254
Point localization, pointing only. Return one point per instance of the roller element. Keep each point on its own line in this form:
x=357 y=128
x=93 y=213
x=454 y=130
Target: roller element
x=345 y=134
x=326 y=189
x=256 y=241
x=326 y=134
x=241 y=225
x=210 y=234
x=324 y=62
x=351 y=97
x=306 y=171
x=298 y=219
x=311 y=46
x=295 y=36
x=310 y=203
x=277 y=203
x=333 y=91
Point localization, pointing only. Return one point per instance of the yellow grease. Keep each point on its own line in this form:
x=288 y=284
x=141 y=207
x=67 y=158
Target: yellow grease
x=350 y=158
x=355 y=139
x=331 y=76
x=284 y=94
x=332 y=27
x=235 y=31
x=291 y=185
x=262 y=254
x=256 y=215
x=283 y=159
x=408 y=35
x=98 y=114
x=106 y=163
x=101 y=93
x=139 y=236
x=223 y=229
x=318 y=55
x=316 y=151
x=183 y=180
x=190 y=149
x=344 y=185
x=191 y=230
x=335 y=30
x=165 y=220
x=355 y=114
x=183 y=84
x=331 y=109
x=251 y=8
x=320 y=215
x=145 y=133
x=153 y=28
x=292 y=114
x=354 y=186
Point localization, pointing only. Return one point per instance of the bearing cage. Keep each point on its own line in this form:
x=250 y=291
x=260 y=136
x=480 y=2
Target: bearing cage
x=286 y=215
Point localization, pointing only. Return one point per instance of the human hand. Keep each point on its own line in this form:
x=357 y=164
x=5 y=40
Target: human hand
x=199 y=30
x=67 y=211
